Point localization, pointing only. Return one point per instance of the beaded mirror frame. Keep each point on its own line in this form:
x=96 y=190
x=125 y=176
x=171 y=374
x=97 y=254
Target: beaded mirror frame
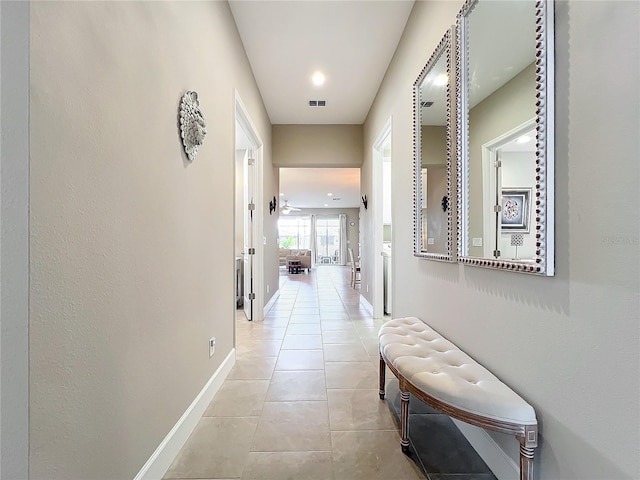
x=442 y=50
x=543 y=193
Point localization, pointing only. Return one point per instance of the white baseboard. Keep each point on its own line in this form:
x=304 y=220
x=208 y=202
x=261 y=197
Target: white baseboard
x=502 y=466
x=163 y=457
x=365 y=303
x=270 y=303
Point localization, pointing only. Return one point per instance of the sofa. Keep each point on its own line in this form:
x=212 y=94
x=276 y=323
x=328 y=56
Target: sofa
x=304 y=255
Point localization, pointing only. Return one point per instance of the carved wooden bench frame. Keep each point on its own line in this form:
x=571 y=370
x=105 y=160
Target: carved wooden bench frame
x=527 y=435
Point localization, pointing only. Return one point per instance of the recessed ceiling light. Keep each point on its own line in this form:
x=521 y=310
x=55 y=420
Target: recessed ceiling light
x=330 y=194
x=282 y=194
x=318 y=79
x=326 y=204
x=524 y=139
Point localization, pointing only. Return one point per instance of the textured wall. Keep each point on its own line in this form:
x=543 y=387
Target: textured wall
x=132 y=246
x=568 y=344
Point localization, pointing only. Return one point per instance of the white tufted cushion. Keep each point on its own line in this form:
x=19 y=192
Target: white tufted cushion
x=439 y=368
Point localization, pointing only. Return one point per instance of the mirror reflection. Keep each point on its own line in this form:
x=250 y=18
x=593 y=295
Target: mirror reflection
x=502 y=123
x=432 y=176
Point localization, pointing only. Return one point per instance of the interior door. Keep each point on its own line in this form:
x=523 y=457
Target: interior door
x=249 y=250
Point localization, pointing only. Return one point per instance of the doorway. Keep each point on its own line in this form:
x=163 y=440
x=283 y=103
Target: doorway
x=508 y=166
x=248 y=221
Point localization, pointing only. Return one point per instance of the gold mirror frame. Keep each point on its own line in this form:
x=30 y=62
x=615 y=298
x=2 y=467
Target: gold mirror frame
x=543 y=193
x=442 y=51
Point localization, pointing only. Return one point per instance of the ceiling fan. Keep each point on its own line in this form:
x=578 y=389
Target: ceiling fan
x=287 y=209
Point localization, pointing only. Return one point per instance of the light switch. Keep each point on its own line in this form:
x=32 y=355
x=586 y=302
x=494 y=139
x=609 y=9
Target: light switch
x=477 y=242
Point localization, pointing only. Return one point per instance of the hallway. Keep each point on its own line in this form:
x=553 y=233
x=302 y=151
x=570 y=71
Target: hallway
x=302 y=400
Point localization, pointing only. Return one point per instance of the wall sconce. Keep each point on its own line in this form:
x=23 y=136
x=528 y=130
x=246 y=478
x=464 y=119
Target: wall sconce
x=272 y=206
x=445 y=203
x=365 y=202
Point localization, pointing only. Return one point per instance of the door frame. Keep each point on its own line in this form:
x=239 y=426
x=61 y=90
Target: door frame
x=378 y=236
x=243 y=120
x=491 y=184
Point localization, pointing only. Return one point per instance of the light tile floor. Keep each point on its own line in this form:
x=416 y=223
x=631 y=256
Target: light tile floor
x=302 y=400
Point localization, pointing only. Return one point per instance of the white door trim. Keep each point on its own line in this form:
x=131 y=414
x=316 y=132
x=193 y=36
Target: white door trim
x=243 y=119
x=377 y=206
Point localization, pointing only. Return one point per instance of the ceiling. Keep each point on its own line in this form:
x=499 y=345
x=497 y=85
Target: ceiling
x=351 y=43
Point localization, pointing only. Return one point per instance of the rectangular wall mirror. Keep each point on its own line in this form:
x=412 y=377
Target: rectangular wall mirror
x=432 y=176
x=505 y=133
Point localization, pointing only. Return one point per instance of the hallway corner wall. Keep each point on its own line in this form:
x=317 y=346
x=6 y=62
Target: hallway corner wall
x=132 y=245
x=271 y=183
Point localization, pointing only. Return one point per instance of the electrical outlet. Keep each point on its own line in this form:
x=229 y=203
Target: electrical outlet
x=212 y=346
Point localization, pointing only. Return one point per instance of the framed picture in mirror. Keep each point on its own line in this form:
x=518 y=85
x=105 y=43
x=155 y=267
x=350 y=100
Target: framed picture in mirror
x=514 y=210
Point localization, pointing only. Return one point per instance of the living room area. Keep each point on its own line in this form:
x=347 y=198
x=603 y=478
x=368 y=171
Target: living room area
x=319 y=218
x=311 y=240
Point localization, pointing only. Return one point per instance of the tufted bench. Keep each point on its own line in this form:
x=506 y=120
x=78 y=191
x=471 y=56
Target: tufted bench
x=440 y=374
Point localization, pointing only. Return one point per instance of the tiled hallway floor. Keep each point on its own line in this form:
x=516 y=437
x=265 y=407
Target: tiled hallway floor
x=302 y=400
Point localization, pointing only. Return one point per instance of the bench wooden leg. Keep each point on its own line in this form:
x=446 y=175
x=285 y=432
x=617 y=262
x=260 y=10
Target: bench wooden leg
x=526 y=463
x=404 y=421
x=383 y=368
x=527 y=444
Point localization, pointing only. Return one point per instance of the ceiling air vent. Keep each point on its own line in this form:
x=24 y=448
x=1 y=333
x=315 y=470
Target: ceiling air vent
x=426 y=104
x=317 y=103
x=336 y=198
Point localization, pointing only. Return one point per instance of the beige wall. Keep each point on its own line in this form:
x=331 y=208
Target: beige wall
x=271 y=181
x=132 y=246
x=317 y=145
x=433 y=215
x=433 y=145
x=434 y=157
x=568 y=344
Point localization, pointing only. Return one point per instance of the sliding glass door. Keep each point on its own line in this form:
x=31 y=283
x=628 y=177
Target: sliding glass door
x=327 y=239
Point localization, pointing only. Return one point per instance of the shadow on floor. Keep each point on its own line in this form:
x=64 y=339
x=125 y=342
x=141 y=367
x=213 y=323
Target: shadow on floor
x=437 y=446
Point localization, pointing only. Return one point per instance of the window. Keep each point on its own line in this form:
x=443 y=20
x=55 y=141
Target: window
x=294 y=232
